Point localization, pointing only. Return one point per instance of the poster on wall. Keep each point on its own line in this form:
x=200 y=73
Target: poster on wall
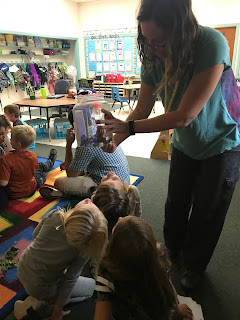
x=119 y=45
x=106 y=67
x=98 y=45
x=105 y=45
x=99 y=56
x=113 y=67
x=99 y=67
x=128 y=66
x=105 y=56
x=112 y=45
x=113 y=56
x=128 y=55
x=120 y=55
x=92 y=57
x=121 y=66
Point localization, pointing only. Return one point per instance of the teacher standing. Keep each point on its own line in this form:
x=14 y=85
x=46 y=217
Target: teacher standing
x=188 y=65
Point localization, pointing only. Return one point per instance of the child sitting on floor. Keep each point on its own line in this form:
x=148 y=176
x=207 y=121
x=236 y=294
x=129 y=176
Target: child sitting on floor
x=20 y=172
x=113 y=197
x=132 y=281
x=5 y=126
x=50 y=267
x=13 y=114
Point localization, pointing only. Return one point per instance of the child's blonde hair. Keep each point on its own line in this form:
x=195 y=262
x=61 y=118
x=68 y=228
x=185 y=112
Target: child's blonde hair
x=25 y=135
x=13 y=108
x=86 y=230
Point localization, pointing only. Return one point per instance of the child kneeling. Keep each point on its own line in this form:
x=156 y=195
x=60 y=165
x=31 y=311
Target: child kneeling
x=50 y=267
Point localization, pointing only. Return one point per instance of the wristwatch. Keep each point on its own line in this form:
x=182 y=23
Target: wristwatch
x=131 y=127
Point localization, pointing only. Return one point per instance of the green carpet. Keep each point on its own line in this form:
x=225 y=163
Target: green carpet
x=219 y=292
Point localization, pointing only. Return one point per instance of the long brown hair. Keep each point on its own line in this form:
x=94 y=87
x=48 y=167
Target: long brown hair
x=4 y=122
x=181 y=27
x=134 y=261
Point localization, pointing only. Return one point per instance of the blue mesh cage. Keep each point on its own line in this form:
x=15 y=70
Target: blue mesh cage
x=40 y=126
x=60 y=128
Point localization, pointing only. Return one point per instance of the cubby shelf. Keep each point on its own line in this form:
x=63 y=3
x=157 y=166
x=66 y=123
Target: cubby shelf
x=29 y=47
x=106 y=88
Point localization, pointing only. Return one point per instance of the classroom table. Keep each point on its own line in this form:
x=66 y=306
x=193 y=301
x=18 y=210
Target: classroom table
x=44 y=103
x=128 y=88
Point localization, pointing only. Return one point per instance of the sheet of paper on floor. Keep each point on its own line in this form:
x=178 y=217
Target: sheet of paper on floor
x=196 y=308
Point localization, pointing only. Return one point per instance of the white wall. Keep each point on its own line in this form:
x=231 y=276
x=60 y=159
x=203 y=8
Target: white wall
x=214 y=12
x=104 y=14
x=41 y=17
x=107 y=14
x=45 y=17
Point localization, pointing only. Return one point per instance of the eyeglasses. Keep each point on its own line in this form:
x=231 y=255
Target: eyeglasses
x=154 y=45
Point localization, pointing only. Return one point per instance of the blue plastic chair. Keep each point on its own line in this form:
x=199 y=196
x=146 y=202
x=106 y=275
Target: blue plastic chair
x=116 y=98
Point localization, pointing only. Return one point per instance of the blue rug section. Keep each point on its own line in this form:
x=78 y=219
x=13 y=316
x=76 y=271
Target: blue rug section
x=139 y=179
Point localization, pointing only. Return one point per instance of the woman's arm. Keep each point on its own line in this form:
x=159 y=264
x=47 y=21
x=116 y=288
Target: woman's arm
x=196 y=96
x=103 y=310
x=143 y=109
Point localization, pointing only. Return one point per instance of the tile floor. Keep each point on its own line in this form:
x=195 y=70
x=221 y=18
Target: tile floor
x=139 y=145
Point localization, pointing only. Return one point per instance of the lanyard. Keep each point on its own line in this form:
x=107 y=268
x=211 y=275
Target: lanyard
x=167 y=108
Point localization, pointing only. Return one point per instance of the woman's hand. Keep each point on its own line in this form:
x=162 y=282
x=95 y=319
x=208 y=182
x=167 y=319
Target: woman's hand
x=184 y=311
x=110 y=148
x=112 y=124
x=62 y=166
x=70 y=136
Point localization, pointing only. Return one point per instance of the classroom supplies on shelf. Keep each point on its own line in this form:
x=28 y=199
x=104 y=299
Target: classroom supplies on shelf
x=31 y=92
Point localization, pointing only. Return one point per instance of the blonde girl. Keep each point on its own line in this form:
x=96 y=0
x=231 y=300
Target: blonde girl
x=50 y=267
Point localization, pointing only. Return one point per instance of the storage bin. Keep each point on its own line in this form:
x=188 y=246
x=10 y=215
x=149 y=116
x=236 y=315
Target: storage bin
x=49 y=52
x=40 y=126
x=60 y=127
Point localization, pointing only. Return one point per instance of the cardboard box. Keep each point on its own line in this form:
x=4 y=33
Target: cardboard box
x=162 y=148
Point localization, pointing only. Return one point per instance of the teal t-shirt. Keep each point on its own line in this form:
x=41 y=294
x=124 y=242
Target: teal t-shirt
x=216 y=128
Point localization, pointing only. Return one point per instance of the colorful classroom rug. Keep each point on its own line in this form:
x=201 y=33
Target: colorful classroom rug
x=17 y=223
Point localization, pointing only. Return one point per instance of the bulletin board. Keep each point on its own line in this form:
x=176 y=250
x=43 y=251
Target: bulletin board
x=116 y=53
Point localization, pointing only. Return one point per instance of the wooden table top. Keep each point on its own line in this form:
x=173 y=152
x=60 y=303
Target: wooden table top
x=47 y=103
x=130 y=87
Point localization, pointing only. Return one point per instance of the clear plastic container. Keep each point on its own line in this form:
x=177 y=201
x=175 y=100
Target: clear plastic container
x=85 y=113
